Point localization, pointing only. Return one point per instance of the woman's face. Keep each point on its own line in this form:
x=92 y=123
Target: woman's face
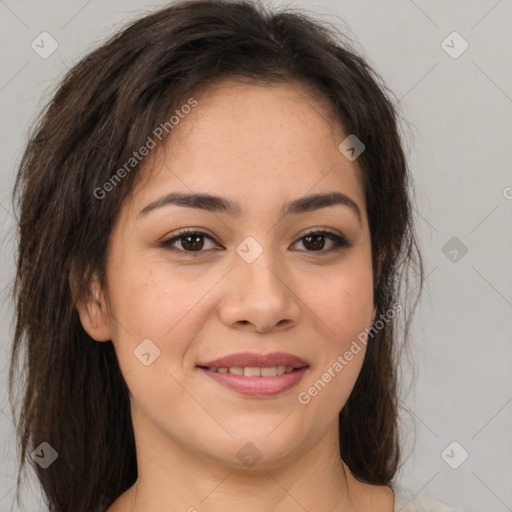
x=252 y=281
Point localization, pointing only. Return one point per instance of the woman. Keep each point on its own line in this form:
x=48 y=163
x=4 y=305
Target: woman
x=215 y=227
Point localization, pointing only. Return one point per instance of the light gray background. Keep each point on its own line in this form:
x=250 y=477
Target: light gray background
x=460 y=113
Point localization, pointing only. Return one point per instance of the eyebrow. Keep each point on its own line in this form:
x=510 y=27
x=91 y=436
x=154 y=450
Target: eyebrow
x=220 y=204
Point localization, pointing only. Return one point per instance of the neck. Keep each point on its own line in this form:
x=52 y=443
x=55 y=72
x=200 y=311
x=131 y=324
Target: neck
x=176 y=479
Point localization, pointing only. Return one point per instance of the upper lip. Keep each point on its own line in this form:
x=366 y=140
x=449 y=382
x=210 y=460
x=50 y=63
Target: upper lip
x=252 y=359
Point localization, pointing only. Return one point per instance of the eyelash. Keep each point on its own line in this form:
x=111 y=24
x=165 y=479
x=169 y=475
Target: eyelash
x=340 y=242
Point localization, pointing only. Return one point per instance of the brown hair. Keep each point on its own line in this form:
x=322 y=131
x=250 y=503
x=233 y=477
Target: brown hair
x=73 y=394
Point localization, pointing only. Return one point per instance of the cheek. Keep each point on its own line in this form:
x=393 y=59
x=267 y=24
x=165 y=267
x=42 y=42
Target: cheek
x=344 y=303
x=150 y=304
x=345 y=308
x=151 y=300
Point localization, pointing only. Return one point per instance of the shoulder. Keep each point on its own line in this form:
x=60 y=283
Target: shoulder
x=407 y=500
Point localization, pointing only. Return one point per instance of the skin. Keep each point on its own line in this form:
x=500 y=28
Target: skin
x=259 y=146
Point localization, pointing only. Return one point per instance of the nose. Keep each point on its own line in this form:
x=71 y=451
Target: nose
x=259 y=296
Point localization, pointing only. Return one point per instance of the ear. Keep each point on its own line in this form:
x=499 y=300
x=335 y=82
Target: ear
x=376 y=276
x=380 y=259
x=374 y=315
x=92 y=310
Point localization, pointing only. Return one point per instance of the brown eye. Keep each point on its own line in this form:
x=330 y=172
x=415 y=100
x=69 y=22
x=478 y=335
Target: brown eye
x=192 y=242
x=316 y=240
x=189 y=241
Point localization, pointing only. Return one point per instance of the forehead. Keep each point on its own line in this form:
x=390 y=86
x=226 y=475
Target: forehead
x=255 y=143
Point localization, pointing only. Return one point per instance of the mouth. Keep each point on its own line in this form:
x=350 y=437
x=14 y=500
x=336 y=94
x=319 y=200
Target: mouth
x=256 y=360
x=256 y=375
x=253 y=371
x=256 y=382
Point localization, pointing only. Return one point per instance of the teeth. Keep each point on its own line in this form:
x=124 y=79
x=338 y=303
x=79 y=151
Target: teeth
x=252 y=371
x=255 y=371
x=268 y=372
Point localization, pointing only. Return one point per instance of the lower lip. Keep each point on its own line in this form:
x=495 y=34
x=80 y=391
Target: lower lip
x=257 y=386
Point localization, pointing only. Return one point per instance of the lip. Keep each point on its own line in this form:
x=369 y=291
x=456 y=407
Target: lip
x=257 y=386
x=243 y=359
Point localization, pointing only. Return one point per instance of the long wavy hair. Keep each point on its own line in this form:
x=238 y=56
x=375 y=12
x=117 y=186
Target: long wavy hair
x=65 y=388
